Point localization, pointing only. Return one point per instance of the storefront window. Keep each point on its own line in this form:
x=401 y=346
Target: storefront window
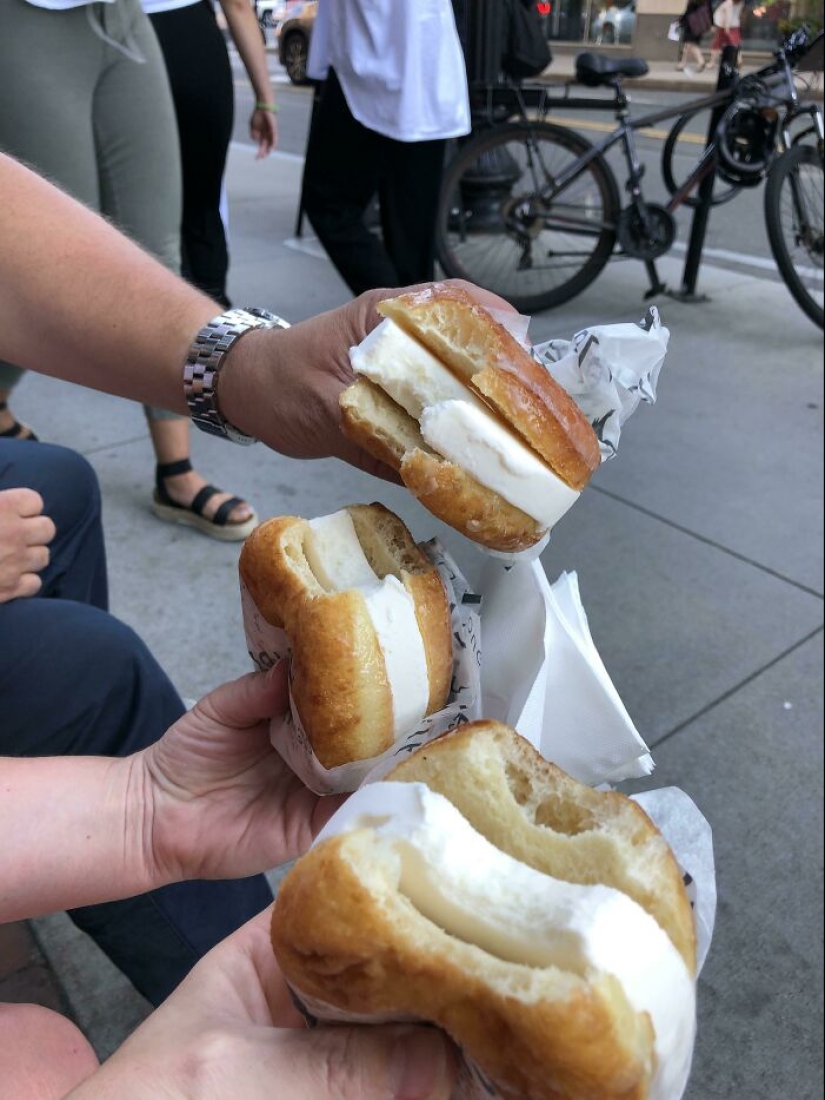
x=764 y=24
x=613 y=22
x=599 y=22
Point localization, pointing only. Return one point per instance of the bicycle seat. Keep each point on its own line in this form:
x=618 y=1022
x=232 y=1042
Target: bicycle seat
x=594 y=69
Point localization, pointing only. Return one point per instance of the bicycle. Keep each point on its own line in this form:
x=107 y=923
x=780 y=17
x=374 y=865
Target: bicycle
x=531 y=210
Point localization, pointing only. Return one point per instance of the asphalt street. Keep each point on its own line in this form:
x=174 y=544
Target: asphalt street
x=736 y=239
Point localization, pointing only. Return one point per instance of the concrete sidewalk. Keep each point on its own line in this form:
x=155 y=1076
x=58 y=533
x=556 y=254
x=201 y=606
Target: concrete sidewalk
x=699 y=555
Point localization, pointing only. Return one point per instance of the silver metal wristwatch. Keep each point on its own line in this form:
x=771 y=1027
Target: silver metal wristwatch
x=205 y=361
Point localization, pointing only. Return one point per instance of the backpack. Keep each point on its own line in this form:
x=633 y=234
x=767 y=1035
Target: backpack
x=526 y=52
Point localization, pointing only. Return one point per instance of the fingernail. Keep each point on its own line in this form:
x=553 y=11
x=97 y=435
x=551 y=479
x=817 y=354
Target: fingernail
x=422 y=1066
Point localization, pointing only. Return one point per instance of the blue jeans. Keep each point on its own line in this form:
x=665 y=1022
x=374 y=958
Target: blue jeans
x=74 y=680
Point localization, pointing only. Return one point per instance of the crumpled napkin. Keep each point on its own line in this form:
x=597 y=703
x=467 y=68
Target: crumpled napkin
x=542 y=674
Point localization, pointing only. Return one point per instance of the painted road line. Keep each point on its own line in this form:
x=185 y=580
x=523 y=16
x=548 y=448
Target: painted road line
x=309 y=245
x=763 y=263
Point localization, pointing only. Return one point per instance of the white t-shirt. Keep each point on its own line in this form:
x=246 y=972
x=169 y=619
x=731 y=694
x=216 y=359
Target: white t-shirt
x=64 y=5
x=728 y=15
x=149 y=6
x=152 y=7
x=400 y=65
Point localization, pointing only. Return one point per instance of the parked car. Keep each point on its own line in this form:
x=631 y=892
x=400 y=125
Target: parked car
x=293 y=40
x=270 y=12
x=615 y=23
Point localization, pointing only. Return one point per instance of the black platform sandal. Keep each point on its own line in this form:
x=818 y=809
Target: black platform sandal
x=17 y=431
x=218 y=526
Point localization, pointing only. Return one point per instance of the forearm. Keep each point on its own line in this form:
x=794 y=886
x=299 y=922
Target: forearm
x=81 y=302
x=73 y=831
x=243 y=26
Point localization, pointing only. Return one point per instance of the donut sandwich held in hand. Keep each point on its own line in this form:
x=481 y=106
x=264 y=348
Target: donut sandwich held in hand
x=367 y=617
x=543 y=925
x=479 y=431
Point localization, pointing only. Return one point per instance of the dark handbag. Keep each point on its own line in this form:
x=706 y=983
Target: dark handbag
x=700 y=20
x=526 y=52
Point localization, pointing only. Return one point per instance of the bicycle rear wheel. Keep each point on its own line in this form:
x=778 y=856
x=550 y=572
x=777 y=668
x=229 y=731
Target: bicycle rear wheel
x=500 y=225
x=683 y=149
x=794 y=218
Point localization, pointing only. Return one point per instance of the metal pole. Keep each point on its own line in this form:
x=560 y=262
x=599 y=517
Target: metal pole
x=728 y=75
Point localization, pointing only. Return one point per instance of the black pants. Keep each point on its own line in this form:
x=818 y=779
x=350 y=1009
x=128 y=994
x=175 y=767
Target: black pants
x=200 y=76
x=346 y=164
x=76 y=681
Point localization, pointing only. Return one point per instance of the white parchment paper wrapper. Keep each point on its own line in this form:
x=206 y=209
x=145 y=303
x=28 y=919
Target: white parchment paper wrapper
x=689 y=836
x=542 y=674
x=268 y=645
x=608 y=370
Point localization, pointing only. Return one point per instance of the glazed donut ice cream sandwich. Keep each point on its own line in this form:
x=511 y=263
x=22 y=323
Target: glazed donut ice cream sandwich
x=543 y=925
x=478 y=430
x=367 y=617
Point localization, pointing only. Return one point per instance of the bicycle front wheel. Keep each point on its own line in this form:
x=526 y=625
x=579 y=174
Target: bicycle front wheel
x=682 y=152
x=503 y=225
x=794 y=217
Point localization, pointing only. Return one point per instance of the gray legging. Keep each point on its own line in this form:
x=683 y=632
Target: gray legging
x=85 y=101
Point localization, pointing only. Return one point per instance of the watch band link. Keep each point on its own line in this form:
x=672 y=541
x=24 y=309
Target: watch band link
x=205 y=361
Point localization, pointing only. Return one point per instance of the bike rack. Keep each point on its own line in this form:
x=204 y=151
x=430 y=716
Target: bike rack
x=728 y=75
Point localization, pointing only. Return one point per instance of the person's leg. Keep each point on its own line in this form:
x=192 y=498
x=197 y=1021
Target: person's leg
x=200 y=76
x=409 y=206
x=138 y=161
x=342 y=173
x=71 y=499
x=45 y=130
x=717 y=45
x=74 y=680
x=43 y=1056
x=693 y=56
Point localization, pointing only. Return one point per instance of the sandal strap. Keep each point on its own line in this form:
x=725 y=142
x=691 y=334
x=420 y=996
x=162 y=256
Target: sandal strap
x=169 y=469
x=221 y=516
x=19 y=431
x=173 y=469
x=201 y=498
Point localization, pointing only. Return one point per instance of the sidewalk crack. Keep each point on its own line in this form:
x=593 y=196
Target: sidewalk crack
x=736 y=687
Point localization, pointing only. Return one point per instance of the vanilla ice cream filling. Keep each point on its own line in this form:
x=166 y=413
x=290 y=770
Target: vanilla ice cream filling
x=479 y=894
x=335 y=554
x=338 y=562
x=459 y=426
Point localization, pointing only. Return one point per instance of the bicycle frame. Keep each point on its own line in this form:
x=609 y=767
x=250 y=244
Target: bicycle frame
x=541 y=99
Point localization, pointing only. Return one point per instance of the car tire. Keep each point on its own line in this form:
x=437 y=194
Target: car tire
x=295 y=53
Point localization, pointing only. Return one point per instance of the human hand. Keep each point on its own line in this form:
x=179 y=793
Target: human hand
x=25 y=534
x=219 y=801
x=230 y=1029
x=288 y=395
x=263 y=129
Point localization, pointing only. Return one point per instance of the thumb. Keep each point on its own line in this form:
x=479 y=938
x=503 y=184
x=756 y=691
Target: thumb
x=367 y=1063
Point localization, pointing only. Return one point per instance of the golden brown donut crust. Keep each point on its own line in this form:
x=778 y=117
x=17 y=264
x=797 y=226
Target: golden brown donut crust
x=534 y=811
x=372 y=419
x=478 y=349
x=343 y=933
x=340 y=684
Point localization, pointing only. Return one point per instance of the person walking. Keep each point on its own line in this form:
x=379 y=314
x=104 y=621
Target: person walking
x=727 y=19
x=695 y=22
x=200 y=76
x=395 y=89
x=95 y=114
